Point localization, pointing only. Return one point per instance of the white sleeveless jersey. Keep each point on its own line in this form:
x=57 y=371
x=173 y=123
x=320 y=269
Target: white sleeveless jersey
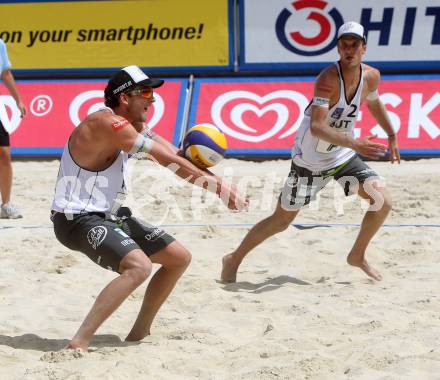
x=79 y=190
x=316 y=154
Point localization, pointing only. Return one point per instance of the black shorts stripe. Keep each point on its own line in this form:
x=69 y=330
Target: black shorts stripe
x=4 y=136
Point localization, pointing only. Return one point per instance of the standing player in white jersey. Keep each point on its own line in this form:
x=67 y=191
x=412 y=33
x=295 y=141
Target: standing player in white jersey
x=7 y=209
x=326 y=148
x=85 y=209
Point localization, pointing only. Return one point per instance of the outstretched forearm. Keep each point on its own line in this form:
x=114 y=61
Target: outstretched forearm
x=146 y=131
x=325 y=132
x=173 y=149
x=380 y=113
x=186 y=169
x=364 y=146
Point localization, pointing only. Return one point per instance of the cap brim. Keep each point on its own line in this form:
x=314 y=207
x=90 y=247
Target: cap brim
x=357 y=36
x=150 y=82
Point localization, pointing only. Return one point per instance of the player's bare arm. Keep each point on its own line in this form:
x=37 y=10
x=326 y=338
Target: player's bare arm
x=165 y=143
x=203 y=178
x=126 y=138
x=9 y=81
x=142 y=128
x=379 y=112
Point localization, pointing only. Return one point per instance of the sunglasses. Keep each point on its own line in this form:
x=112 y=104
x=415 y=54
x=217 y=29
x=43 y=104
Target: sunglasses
x=146 y=93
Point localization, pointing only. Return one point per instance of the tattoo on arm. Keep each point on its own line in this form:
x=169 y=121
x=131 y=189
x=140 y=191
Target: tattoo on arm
x=119 y=124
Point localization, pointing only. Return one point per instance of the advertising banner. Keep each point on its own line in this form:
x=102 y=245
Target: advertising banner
x=260 y=117
x=56 y=107
x=92 y=35
x=301 y=34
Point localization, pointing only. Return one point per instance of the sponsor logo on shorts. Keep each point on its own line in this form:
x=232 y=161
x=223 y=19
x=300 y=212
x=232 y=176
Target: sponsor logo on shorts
x=364 y=174
x=292 y=180
x=96 y=236
x=297 y=200
x=127 y=242
x=157 y=232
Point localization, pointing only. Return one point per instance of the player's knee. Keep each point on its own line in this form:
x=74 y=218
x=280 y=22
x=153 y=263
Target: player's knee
x=280 y=224
x=182 y=259
x=387 y=203
x=5 y=156
x=141 y=272
x=138 y=270
x=281 y=219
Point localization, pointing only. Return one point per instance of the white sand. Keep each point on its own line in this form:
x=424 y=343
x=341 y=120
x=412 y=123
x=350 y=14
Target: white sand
x=297 y=312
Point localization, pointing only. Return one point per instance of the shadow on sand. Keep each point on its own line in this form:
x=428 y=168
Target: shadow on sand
x=34 y=342
x=262 y=287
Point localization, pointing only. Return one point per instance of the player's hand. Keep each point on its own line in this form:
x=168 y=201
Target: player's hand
x=232 y=197
x=394 y=149
x=367 y=148
x=22 y=109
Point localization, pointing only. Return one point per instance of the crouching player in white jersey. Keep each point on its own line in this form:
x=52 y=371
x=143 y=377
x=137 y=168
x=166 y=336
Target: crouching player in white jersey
x=91 y=177
x=325 y=148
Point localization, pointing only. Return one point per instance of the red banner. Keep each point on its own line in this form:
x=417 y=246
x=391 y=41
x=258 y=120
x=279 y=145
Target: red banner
x=259 y=116
x=262 y=116
x=56 y=107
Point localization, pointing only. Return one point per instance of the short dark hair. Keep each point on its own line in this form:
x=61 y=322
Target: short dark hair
x=110 y=100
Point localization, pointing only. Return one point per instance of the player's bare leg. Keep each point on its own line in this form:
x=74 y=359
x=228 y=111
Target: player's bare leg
x=371 y=223
x=174 y=260
x=270 y=226
x=5 y=174
x=135 y=267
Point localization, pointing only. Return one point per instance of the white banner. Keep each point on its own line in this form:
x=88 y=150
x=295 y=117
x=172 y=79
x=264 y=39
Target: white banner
x=400 y=34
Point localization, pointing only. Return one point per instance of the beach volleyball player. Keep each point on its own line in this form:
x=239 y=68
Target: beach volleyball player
x=325 y=149
x=91 y=181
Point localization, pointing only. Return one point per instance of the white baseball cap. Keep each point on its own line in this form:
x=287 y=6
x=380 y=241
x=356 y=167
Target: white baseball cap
x=128 y=78
x=353 y=29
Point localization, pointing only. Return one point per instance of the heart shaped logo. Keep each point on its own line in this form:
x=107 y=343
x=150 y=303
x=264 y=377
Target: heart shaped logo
x=249 y=114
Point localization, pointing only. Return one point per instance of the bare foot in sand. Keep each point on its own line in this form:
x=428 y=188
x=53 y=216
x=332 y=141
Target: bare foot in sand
x=74 y=345
x=135 y=336
x=363 y=264
x=229 y=270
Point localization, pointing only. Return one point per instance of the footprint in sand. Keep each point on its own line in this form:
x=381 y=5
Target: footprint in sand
x=62 y=263
x=63 y=355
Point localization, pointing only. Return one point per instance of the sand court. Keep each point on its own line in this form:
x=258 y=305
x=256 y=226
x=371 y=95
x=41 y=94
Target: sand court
x=298 y=311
